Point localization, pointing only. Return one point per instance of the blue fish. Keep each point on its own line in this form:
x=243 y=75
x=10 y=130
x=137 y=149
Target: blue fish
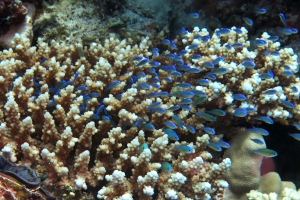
x=219 y=71
x=190 y=128
x=265 y=119
x=162 y=93
x=165 y=41
x=94 y=95
x=166 y=168
x=240 y=112
x=206 y=116
x=143 y=86
x=218 y=59
x=184 y=149
x=208 y=130
x=185 y=107
x=270 y=92
x=217 y=112
x=185 y=101
x=208 y=64
x=193 y=15
x=287 y=73
x=182 y=52
x=100 y=109
x=266 y=152
x=239 y=97
x=282 y=18
x=139 y=122
x=184 y=85
x=170 y=125
x=288 y=104
x=153 y=105
x=203 y=82
x=196 y=56
x=142 y=62
x=294 y=89
x=142 y=147
x=223 y=144
x=210 y=76
x=260 y=11
x=177 y=120
x=155 y=51
x=214 y=146
x=154 y=63
x=296 y=125
x=193 y=46
x=273 y=38
x=286 y=31
x=296 y=136
x=95 y=116
x=260 y=42
x=176 y=74
x=148 y=127
x=159 y=110
x=248 y=21
x=137 y=58
x=194 y=70
x=112 y=85
x=155 y=85
x=173 y=108
x=257 y=141
x=183 y=94
x=224 y=31
x=259 y=131
x=237 y=45
x=172 y=135
x=248 y=64
x=183 y=67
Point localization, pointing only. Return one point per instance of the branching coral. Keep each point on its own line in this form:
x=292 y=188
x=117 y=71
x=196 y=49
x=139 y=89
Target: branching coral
x=88 y=113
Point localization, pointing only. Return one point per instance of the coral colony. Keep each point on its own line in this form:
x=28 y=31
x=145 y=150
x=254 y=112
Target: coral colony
x=146 y=120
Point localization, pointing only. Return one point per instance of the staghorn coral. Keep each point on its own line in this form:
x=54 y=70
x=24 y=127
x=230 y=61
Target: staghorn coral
x=80 y=137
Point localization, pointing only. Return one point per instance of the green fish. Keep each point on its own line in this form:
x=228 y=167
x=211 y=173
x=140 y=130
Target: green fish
x=166 y=167
x=266 y=152
x=142 y=147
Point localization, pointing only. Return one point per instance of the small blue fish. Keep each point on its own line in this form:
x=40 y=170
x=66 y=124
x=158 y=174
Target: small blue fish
x=238 y=30
x=266 y=152
x=172 y=44
x=153 y=105
x=223 y=144
x=165 y=42
x=172 y=135
x=170 y=56
x=170 y=125
x=190 y=128
x=219 y=71
x=287 y=104
x=208 y=130
x=142 y=147
x=168 y=79
x=167 y=68
x=275 y=53
x=139 y=122
x=240 y=112
x=154 y=63
x=148 y=127
x=294 y=30
x=250 y=110
x=106 y=118
x=112 y=85
x=282 y=18
x=208 y=64
x=193 y=15
x=265 y=119
x=185 y=107
x=152 y=94
x=259 y=131
x=224 y=31
x=176 y=74
x=94 y=95
x=43 y=59
x=185 y=101
x=159 y=110
x=182 y=52
x=173 y=108
x=260 y=11
x=248 y=21
x=295 y=136
x=248 y=64
x=184 y=85
x=270 y=92
x=214 y=146
x=294 y=89
x=228 y=46
x=200 y=100
x=166 y=168
x=162 y=93
x=137 y=58
x=142 y=62
x=205 y=38
x=141 y=74
x=257 y=141
x=194 y=70
x=193 y=46
x=239 y=97
x=184 y=149
x=287 y=73
x=183 y=67
x=203 y=82
x=286 y=31
x=237 y=45
x=274 y=38
x=210 y=76
x=177 y=120
x=155 y=51
x=266 y=76
x=199 y=93
x=183 y=94
x=143 y=86
x=260 y=42
x=81 y=87
x=206 y=116
x=218 y=59
x=100 y=109
x=217 y=112
x=155 y=85
x=196 y=56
